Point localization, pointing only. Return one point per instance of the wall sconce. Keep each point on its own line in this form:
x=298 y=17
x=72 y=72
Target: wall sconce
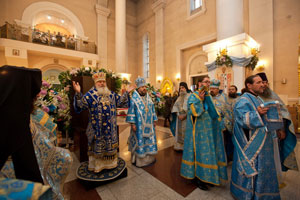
x=125 y=76
x=260 y=66
x=159 y=79
x=284 y=81
x=178 y=77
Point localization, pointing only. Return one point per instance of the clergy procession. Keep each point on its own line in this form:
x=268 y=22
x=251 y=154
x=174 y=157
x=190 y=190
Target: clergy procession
x=251 y=132
x=150 y=99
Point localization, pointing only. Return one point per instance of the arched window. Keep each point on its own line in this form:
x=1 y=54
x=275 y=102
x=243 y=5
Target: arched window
x=146 y=59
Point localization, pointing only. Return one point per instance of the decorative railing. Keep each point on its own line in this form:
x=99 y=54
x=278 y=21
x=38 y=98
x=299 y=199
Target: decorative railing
x=16 y=32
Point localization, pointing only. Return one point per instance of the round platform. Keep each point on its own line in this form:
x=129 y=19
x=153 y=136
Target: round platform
x=105 y=175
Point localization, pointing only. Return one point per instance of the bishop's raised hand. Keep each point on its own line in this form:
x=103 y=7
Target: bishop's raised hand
x=131 y=87
x=76 y=87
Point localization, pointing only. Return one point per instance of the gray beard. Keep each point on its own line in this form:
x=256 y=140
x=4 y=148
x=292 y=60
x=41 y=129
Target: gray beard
x=182 y=93
x=266 y=93
x=103 y=91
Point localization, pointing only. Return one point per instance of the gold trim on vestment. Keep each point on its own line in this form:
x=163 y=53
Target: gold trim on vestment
x=200 y=164
x=194 y=140
x=197 y=96
x=208 y=181
x=193 y=110
x=38 y=190
x=44 y=120
x=187 y=177
x=223 y=164
x=200 y=179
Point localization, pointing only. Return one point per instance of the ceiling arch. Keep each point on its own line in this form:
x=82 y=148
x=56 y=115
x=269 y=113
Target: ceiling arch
x=33 y=11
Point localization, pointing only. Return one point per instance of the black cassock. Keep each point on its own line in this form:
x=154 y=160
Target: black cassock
x=18 y=89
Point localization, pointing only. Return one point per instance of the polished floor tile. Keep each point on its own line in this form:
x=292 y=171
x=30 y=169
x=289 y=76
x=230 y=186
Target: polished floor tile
x=167 y=170
x=134 y=188
x=74 y=190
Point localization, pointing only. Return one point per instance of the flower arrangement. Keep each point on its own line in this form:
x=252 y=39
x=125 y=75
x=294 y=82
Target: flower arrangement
x=223 y=58
x=254 y=59
x=66 y=77
x=157 y=99
x=55 y=102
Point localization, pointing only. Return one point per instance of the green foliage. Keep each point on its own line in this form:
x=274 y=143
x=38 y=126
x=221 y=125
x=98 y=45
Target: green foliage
x=253 y=62
x=65 y=78
x=223 y=60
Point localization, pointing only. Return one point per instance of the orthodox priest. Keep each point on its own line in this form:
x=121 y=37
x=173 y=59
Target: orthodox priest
x=142 y=117
x=224 y=108
x=179 y=113
x=285 y=142
x=254 y=171
x=222 y=105
x=102 y=127
x=18 y=89
x=203 y=151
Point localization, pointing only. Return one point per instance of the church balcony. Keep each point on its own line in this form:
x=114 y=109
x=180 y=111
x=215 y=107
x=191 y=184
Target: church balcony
x=30 y=49
x=37 y=49
x=16 y=32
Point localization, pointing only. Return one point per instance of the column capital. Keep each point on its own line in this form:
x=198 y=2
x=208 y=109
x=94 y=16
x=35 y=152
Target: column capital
x=157 y=5
x=103 y=3
x=101 y=10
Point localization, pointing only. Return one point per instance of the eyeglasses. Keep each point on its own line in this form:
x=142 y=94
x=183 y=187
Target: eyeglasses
x=205 y=82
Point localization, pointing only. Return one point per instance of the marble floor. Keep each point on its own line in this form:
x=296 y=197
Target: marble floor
x=147 y=184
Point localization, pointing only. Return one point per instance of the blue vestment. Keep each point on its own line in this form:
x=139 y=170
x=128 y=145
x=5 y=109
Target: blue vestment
x=203 y=152
x=224 y=109
x=253 y=170
x=102 y=127
x=141 y=112
x=287 y=146
x=20 y=189
x=54 y=162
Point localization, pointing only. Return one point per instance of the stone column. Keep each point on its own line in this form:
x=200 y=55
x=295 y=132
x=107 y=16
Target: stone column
x=229 y=18
x=102 y=14
x=158 y=9
x=120 y=47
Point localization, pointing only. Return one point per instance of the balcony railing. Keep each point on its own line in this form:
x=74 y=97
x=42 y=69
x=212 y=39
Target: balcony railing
x=16 y=32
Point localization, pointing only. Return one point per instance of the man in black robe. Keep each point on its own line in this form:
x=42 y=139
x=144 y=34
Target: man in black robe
x=19 y=87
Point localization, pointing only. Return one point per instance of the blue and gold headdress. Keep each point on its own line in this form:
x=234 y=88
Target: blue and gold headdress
x=140 y=81
x=215 y=83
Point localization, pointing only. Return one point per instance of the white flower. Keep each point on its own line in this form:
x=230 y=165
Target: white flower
x=87 y=68
x=73 y=71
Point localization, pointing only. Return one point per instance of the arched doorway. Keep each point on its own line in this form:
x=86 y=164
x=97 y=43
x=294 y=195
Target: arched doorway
x=51 y=73
x=196 y=67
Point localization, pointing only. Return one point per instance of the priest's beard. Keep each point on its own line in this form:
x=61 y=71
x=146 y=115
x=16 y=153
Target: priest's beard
x=142 y=93
x=232 y=95
x=182 y=93
x=181 y=96
x=103 y=91
x=266 y=93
